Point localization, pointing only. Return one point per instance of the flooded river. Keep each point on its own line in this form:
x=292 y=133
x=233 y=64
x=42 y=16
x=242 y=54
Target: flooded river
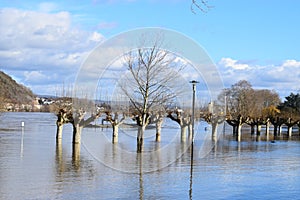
x=34 y=166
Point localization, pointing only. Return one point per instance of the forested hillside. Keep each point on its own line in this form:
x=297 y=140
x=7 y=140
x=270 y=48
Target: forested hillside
x=12 y=92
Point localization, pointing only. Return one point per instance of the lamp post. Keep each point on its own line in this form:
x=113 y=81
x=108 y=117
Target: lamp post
x=193 y=82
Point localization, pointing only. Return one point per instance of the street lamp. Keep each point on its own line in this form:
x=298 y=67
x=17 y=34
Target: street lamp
x=193 y=82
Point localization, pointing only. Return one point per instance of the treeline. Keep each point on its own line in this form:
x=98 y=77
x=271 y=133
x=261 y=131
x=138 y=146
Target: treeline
x=245 y=105
x=239 y=105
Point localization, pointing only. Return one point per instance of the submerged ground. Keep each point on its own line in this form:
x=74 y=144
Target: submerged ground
x=34 y=166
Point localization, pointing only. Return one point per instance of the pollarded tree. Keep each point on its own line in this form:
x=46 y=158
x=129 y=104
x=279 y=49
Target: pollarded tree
x=214 y=120
x=151 y=73
x=247 y=105
x=184 y=120
x=273 y=113
x=239 y=105
x=262 y=111
x=79 y=121
x=238 y=99
x=62 y=108
x=66 y=113
x=158 y=119
x=115 y=121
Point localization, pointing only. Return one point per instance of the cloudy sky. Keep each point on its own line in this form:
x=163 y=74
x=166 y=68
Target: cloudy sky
x=44 y=43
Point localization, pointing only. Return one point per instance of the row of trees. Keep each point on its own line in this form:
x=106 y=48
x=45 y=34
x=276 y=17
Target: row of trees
x=245 y=105
x=151 y=84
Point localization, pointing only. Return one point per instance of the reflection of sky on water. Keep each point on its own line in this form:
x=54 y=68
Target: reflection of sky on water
x=232 y=170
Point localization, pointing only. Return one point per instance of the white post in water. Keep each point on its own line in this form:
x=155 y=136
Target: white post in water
x=22 y=140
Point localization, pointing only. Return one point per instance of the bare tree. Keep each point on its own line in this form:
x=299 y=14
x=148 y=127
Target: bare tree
x=67 y=113
x=62 y=108
x=184 y=121
x=247 y=105
x=115 y=123
x=263 y=102
x=239 y=105
x=158 y=119
x=79 y=122
x=214 y=120
x=151 y=74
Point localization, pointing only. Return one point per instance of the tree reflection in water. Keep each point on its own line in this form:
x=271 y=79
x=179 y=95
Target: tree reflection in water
x=71 y=168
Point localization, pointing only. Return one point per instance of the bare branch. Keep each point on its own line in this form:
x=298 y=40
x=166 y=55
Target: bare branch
x=203 y=6
x=151 y=82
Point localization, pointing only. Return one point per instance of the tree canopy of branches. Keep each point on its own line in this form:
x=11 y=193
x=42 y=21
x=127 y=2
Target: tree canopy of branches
x=247 y=105
x=66 y=113
x=151 y=74
x=239 y=99
x=243 y=100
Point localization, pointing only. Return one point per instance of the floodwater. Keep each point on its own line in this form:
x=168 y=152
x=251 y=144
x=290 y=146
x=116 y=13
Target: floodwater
x=34 y=166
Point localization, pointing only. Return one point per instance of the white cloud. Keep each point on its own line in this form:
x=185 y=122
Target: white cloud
x=41 y=44
x=32 y=29
x=35 y=76
x=291 y=63
x=283 y=78
x=29 y=29
x=95 y=37
x=234 y=64
x=180 y=61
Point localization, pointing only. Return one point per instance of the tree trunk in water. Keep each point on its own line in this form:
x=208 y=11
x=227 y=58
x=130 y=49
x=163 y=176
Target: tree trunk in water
x=258 y=129
x=59 y=131
x=280 y=130
x=290 y=131
x=157 y=136
x=140 y=137
x=77 y=134
x=275 y=129
x=252 y=129
x=60 y=165
x=234 y=130
x=115 y=134
x=257 y=138
x=183 y=133
x=158 y=131
x=268 y=130
x=76 y=156
x=214 y=131
x=190 y=130
x=239 y=133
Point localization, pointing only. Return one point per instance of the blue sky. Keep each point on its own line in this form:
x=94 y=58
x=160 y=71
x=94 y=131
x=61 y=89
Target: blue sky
x=43 y=43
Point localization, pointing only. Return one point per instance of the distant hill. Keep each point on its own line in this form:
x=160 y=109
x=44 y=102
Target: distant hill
x=13 y=92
